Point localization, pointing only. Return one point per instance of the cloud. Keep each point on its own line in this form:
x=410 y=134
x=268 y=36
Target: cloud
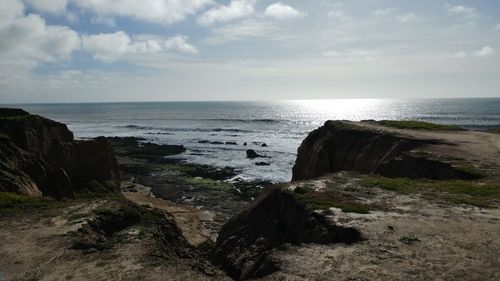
x=9 y=11
x=109 y=47
x=49 y=6
x=497 y=27
x=282 y=11
x=460 y=54
x=221 y=13
x=484 y=52
x=29 y=38
x=383 y=11
x=462 y=12
x=409 y=17
x=154 y=11
x=339 y=15
x=244 y=29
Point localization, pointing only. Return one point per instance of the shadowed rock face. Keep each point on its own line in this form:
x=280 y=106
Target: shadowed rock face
x=244 y=243
x=341 y=146
x=39 y=156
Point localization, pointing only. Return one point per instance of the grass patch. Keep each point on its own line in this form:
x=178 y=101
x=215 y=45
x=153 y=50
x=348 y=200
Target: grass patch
x=327 y=200
x=419 y=125
x=209 y=183
x=13 y=201
x=481 y=194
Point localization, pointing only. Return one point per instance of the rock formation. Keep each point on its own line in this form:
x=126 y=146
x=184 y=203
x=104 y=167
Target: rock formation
x=347 y=146
x=244 y=243
x=39 y=157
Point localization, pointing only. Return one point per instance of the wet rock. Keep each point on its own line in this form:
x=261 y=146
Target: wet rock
x=252 y=154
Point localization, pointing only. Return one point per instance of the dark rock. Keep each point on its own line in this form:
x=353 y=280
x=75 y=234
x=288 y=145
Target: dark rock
x=263 y=145
x=204 y=141
x=245 y=144
x=40 y=157
x=262 y=164
x=252 y=154
x=12 y=112
x=342 y=146
x=216 y=142
x=231 y=143
x=243 y=244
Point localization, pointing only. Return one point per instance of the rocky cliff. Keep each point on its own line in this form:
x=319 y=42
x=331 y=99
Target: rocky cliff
x=39 y=157
x=349 y=146
x=244 y=243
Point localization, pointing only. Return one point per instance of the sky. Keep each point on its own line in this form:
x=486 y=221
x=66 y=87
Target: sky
x=170 y=50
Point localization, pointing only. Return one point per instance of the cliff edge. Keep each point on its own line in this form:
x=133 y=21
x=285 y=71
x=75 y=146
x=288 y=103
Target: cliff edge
x=372 y=148
x=40 y=157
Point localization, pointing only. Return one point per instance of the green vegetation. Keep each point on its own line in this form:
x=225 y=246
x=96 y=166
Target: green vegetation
x=208 y=183
x=326 y=200
x=13 y=201
x=419 y=125
x=481 y=194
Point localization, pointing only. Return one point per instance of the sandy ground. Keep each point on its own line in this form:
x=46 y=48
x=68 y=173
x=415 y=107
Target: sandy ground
x=36 y=246
x=473 y=146
x=414 y=240
x=190 y=220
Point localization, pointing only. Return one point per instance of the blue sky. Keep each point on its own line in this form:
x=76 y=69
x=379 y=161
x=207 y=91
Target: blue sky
x=148 y=50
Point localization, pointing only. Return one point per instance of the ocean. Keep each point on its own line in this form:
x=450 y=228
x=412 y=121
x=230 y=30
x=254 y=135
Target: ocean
x=204 y=128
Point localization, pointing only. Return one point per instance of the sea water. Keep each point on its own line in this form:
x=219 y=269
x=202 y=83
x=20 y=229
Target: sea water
x=281 y=125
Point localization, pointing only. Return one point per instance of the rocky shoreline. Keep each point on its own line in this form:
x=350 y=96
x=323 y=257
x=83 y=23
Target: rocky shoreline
x=369 y=201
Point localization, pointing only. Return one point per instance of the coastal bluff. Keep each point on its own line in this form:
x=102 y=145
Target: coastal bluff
x=439 y=153
x=40 y=157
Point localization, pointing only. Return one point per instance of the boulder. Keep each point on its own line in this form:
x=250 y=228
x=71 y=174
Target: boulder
x=252 y=154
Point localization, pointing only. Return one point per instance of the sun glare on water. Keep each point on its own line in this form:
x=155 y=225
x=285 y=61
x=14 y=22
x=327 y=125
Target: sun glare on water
x=351 y=109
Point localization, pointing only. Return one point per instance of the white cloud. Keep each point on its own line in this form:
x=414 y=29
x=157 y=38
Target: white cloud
x=281 y=11
x=109 y=47
x=236 y=9
x=9 y=11
x=383 y=11
x=485 y=51
x=179 y=43
x=339 y=15
x=29 y=38
x=237 y=31
x=409 y=17
x=462 y=11
x=49 y=6
x=460 y=54
x=155 y=11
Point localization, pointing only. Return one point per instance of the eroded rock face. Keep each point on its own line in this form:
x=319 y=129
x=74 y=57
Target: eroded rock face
x=342 y=146
x=39 y=156
x=244 y=243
